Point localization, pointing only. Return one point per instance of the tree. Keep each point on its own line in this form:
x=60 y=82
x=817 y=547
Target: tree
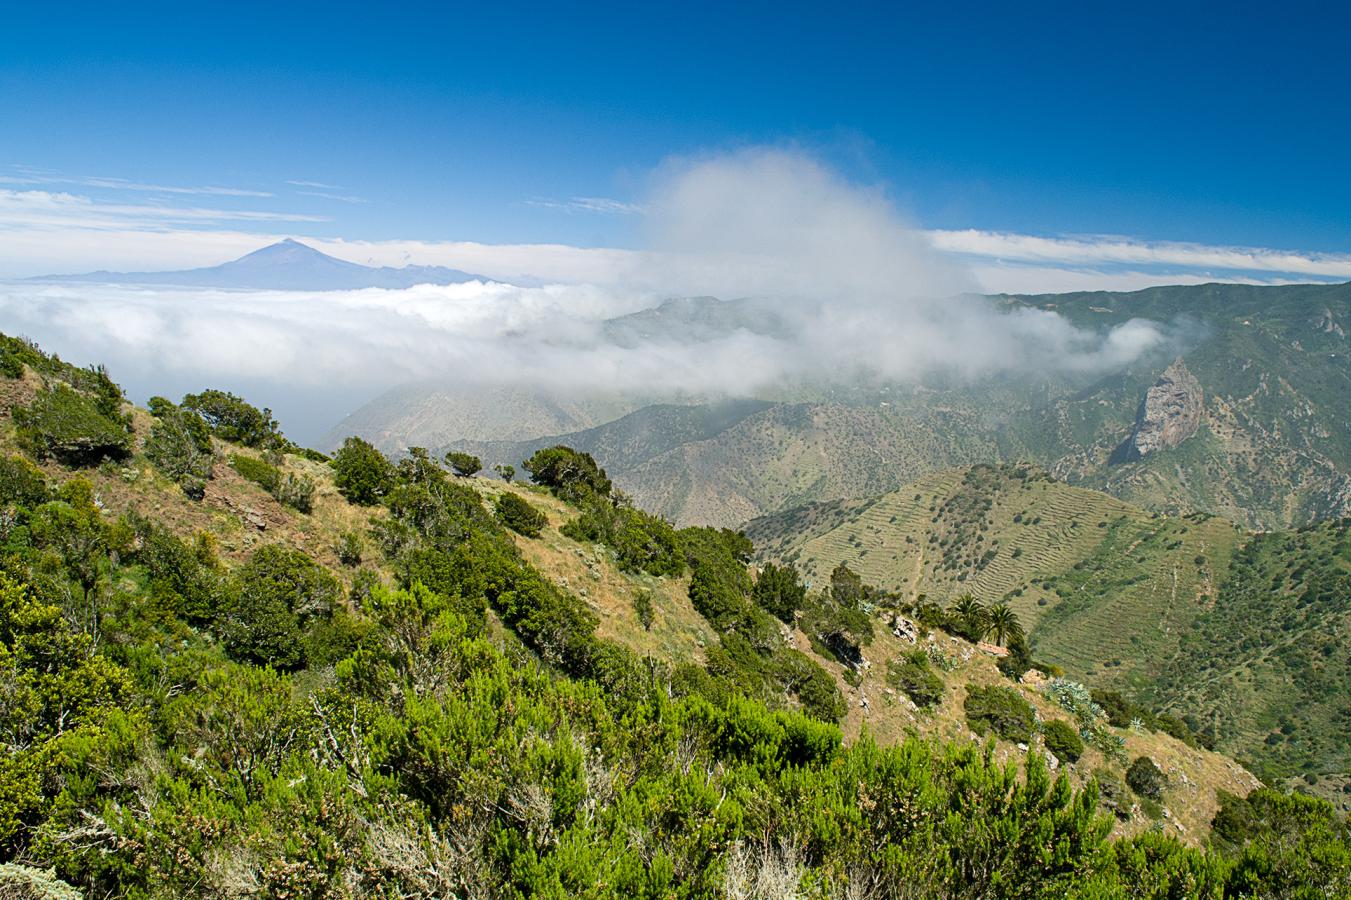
x=967 y=617
x=361 y=473
x=779 y=591
x=505 y=472
x=464 y=464
x=180 y=446
x=570 y=474
x=234 y=419
x=1002 y=624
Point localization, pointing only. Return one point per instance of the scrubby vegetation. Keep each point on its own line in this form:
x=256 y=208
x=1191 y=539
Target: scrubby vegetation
x=913 y=677
x=184 y=718
x=1000 y=710
x=1062 y=740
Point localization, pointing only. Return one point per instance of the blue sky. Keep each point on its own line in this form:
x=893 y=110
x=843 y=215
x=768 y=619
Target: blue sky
x=1221 y=126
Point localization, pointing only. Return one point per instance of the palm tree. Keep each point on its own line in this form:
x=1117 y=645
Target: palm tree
x=1003 y=625
x=970 y=617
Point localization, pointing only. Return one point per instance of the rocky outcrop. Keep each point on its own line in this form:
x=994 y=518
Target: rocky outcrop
x=1169 y=414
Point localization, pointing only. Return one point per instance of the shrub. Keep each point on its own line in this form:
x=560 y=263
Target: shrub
x=912 y=676
x=641 y=541
x=1062 y=740
x=179 y=445
x=66 y=425
x=519 y=515
x=349 y=549
x=296 y=491
x=1018 y=660
x=1001 y=710
x=505 y=472
x=464 y=464
x=361 y=473
x=278 y=594
x=838 y=622
x=263 y=474
x=779 y=591
x=570 y=474
x=233 y=419
x=1113 y=794
x=22 y=483
x=642 y=607
x=1146 y=779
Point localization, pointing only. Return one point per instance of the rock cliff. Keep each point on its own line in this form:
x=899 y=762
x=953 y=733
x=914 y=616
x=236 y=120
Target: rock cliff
x=1169 y=414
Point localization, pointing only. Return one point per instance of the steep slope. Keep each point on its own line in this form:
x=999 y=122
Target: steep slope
x=235 y=517
x=1270 y=663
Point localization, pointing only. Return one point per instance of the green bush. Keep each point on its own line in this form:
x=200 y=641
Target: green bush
x=277 y=595
x=1062 y=740
x=570 y=474
x=641 y=541
x=263 y=474
x=361 y=473
x=464 y=464
x=912 y=676
x=289 y=488
x=296 y=491
x=1001 y=710
x=1146 y=779
x=518 y=515
x=22 y=483
x=70 y=427
x=235 y=420
x=349 y=549
x=180 y=446
x=779 y=591
x=642 y=607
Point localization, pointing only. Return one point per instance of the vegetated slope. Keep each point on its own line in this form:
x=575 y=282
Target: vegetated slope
x=311 y=740
x=1241 y=635
x=1103 y=588
x=1269 y=664
x=1270 y=449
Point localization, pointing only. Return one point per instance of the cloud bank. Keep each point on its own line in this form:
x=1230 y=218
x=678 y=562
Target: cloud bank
x=853 y=289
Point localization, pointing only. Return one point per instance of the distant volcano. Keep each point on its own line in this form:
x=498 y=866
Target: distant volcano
x=285 y=266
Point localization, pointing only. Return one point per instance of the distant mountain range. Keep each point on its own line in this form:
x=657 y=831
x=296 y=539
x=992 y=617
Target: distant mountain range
x=1253 y=423
x=284 y=266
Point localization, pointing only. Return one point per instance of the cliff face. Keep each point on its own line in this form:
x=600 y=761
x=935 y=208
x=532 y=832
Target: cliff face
x=1169 y=414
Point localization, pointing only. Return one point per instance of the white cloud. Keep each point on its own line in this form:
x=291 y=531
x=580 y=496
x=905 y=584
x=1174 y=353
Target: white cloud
x=344 y=198
x=603 y=205
x=44 y=209
x=1112 y=251
x=857 y=290
x=315 y=184
x=35 y=176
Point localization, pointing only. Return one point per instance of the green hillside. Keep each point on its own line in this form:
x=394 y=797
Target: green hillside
x=233 y=667
x=1269 y=662
x=1239 y=634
